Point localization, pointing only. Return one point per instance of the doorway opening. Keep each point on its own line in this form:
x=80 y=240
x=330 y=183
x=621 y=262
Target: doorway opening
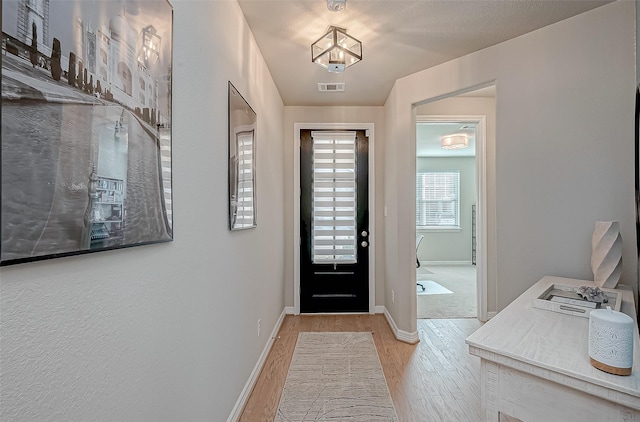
x=446 y=200
x=450 y=206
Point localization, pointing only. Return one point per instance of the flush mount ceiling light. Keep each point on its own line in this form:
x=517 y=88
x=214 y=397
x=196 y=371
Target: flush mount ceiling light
x=336 y=5
x=455 y=141
x=336 y=50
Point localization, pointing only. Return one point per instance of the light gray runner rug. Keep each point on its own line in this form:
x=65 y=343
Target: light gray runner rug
x=335 y=377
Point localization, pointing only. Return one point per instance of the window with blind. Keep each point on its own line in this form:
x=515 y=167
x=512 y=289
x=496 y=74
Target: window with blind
x=438 y=200
x=244 y=190
x=334 y=198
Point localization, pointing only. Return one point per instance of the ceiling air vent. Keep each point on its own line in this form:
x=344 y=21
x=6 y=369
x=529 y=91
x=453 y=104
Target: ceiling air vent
x=331 y=87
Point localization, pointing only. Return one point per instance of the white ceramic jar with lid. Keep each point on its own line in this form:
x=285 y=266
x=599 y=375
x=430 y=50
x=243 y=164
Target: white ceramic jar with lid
x=611 y=341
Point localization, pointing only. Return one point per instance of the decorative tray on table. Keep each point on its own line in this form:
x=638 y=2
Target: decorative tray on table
x=566 y=300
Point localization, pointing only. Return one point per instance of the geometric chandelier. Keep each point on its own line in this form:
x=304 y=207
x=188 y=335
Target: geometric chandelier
x=336 y=50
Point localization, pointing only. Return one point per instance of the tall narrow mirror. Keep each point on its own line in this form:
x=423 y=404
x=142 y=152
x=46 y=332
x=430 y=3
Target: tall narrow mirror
x=242 y=163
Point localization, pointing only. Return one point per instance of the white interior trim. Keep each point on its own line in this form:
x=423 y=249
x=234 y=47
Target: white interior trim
x=297 y=127
x=407 y=337
x=236 y=412
x=481 y=208
x=425 y=263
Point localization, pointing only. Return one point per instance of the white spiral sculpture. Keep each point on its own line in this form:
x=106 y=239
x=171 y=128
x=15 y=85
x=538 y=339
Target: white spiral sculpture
x=606 y=254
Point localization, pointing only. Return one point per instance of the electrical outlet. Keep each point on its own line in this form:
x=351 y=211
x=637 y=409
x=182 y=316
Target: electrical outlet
x=259 y=323
x=393 y=296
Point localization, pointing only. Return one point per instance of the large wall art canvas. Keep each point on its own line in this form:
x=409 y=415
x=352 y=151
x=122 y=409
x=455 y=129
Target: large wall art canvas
x=86 y=126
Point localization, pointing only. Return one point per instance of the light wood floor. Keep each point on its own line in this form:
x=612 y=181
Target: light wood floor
x=434 y=380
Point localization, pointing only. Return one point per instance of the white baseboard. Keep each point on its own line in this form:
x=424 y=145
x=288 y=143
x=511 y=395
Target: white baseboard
x=491 y=314
x=407 y=337
x=423 y=263
x=253 y=378
x=380 y=309
x=289 y=310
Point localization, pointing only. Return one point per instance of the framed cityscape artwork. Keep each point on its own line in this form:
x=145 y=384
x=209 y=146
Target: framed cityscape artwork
x=242 y=162
x=86 y=126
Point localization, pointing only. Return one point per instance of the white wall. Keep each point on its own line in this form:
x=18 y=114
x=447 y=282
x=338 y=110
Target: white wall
x=354 y=114
x=165 y=332
x=449 y=245
x=563 y=151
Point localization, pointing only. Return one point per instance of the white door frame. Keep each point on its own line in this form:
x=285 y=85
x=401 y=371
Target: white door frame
x=369 y=128
x=481 y=208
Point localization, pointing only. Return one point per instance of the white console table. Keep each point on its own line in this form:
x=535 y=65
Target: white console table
x=535 y=365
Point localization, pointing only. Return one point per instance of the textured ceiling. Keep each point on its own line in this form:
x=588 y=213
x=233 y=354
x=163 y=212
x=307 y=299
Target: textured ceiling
x=399 y=38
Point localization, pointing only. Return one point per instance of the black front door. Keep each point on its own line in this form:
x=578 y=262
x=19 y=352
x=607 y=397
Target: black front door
x=334 y=221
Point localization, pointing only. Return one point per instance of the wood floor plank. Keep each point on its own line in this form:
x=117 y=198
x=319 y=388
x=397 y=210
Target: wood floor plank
x=433 y=380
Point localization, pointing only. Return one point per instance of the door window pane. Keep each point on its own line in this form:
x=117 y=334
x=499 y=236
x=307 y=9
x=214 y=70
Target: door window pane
x=334 y=198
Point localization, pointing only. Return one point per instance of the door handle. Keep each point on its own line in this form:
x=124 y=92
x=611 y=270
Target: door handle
x=364 y=243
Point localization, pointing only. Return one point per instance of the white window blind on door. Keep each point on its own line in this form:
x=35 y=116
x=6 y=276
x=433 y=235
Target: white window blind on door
x=334 y=198
x=438 y=199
